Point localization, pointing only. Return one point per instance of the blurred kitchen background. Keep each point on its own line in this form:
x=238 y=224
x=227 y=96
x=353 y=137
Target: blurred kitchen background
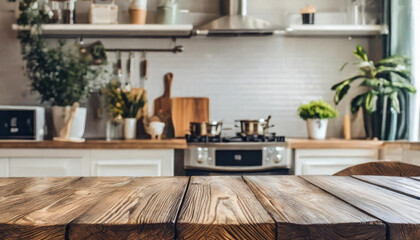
x=244 y=77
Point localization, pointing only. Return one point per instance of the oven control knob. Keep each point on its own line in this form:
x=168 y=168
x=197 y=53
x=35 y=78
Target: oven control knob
x=200 y=158
x=278 y=158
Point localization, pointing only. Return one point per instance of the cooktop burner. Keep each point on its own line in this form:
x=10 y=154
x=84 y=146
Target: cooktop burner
x=271 y=137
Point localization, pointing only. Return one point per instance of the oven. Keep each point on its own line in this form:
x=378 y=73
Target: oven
x=245 y=158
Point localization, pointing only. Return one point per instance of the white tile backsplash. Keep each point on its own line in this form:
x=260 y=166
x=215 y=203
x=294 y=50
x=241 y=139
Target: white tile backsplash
x=253 y=77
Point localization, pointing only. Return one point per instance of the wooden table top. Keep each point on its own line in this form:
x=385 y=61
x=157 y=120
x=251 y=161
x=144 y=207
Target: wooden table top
x=219 y=207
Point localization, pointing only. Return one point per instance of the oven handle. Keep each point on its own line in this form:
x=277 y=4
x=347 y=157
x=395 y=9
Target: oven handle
x=236 y=169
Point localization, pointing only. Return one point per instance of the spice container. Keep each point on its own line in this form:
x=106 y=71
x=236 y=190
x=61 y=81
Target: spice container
x=63 y=11
x=167 y=12
x=138 y=11
x=308 y=14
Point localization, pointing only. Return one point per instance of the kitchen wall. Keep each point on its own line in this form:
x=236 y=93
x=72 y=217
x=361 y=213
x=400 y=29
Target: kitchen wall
x=247 y=77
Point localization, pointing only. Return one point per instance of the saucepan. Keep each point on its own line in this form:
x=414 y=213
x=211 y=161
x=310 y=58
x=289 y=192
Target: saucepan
x=254 y=127
x=209 y=129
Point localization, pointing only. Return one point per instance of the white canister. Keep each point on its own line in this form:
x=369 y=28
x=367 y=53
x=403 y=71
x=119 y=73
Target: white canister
x=317 y=128
x=100 y=13
x=130 y=128
x=138 y=11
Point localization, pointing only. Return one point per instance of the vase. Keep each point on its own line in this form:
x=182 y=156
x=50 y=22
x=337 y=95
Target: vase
x=317 y=128
x=114 y=130
x=385 y=123
x=61 y=116
x=130 y=128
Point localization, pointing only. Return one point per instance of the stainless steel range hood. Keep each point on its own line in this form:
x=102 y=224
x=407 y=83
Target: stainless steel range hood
x=235 y=22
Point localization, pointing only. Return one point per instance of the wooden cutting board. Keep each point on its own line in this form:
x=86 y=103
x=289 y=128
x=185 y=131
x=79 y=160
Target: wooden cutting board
x=162 y=104
x=186 y=110
x=162 y=107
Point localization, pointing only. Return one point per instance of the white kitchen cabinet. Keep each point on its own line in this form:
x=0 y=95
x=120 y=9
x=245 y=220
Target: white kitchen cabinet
x=4 y=167
x=330 y=161
x=412 y=157
x=44 y=163
x=78 y=162
x=136 y=163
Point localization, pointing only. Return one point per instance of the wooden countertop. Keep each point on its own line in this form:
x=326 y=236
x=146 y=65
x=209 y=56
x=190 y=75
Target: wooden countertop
x=99 y=144
x=220 y=207
x=182 y=144
x=334 y=143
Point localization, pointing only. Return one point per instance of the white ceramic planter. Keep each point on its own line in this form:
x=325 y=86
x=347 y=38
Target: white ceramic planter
x=130 y=128
x=155 y=129
x=317 y=128
x=60 y=117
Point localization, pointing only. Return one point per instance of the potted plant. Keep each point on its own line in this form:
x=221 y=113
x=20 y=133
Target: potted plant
x=386 y=86
x=316 y=115
x=62 y=75
x=124 y=105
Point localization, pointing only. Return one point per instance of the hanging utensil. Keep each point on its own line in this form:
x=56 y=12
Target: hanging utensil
x=143 y=70
x=130 y=62
x=119 y=72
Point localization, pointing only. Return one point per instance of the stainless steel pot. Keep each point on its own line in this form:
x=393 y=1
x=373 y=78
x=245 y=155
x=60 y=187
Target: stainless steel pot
x=210 y=129
x=254 y=127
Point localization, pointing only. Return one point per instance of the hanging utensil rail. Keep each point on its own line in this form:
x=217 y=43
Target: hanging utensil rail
x=176 y=49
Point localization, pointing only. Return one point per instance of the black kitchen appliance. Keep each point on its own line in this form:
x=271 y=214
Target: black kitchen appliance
x=22 y=123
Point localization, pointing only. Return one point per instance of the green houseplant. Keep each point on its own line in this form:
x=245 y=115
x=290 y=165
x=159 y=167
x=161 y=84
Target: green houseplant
x=316 y=115
x=62 y=75
x=386 y=86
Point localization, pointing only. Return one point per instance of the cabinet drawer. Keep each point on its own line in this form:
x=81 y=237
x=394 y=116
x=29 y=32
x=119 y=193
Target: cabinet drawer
x=136 y=163
x=4 y=167
x=330 y=161
x=46 y=162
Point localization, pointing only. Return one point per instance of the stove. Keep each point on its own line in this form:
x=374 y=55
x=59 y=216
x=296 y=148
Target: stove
x=237 y=155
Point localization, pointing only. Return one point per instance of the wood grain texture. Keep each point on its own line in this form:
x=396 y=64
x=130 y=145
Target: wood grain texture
x=146 y=208
x=381 y=168
x=186 y=110
x=223 y=208
x=303 y=211
x=333 y=144
x=401 y=213
x=99 y=144
x=47 y=212
x=403 y=185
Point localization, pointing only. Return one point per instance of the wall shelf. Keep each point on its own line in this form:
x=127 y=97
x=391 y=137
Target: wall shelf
x=336 y=30
x=186 y=31
x=114 y=30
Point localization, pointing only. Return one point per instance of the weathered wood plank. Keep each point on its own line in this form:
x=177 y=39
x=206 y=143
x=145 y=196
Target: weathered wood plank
x=303 y=211
x=146 y=208
x=404 y=185
x=382 y=168
x=43 y=213
x=13 y=185
x=401 y=213
x=223 y=207
x=20 y=198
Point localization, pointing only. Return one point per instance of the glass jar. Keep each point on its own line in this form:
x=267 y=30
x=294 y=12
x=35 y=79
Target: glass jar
x=63 y=11
x=356 y=12
x=114 y=129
